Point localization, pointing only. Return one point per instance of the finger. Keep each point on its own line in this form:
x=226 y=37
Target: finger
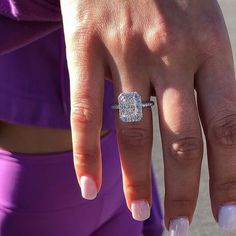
x=86 y=71
x=216 y=89
x=135 y=142
x=182 y=148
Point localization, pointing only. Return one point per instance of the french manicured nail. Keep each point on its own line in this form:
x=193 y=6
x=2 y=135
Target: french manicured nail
x=140 y=210
x=227 y=217
x=88 y=188
x=179 y=227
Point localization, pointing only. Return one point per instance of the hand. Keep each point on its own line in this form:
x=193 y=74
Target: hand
x=168 y=47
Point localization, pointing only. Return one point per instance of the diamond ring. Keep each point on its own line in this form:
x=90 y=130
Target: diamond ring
x=130 y=106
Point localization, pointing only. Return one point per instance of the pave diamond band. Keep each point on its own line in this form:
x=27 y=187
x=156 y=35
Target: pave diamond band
x=130 y=106
x=144 y=104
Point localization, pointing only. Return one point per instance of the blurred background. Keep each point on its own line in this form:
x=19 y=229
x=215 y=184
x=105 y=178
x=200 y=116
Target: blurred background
x=203 y=223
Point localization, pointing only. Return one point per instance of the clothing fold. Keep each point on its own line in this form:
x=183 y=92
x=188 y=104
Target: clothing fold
x=40 y=196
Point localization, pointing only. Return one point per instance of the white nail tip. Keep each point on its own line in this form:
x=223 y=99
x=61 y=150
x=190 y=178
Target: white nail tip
x=227 y=217
x=140 y=210
x=88 y=188
x=179 y=227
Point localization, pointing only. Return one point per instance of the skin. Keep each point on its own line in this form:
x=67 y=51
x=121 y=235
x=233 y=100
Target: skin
x=34 y=139
x=167 y=49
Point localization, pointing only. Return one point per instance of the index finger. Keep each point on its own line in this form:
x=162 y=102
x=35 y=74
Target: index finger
x=86 y=84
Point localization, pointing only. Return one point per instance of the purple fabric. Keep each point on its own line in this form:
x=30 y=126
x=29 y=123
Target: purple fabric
x=32 y=102
x=34 y=10
x=23 y=21
x=15 y=34
x=39 y=195
x=35 y=85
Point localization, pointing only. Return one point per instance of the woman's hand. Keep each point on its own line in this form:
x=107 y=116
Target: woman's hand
x=165 y=48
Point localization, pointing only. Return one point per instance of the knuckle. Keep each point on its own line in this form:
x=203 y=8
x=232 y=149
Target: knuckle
x=84 y=160
x=86 y=32
x=82 y=37
x=227 y=189
x=127 y=37
x=213 y=37
x=166 y=37
x=122 y=40
x=155 y=39
x=84 y=40
x=136 y=185
x=126 y=29
x=83 y=112
x=223 y=131
x=136 y=137
x=182 y=203
x=140 y=188
x=189 y=149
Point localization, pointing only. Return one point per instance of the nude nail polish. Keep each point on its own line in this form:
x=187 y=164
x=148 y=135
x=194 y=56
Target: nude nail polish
x=227 y=217
x=179 y=227
x=140 y=210
x=88 y=188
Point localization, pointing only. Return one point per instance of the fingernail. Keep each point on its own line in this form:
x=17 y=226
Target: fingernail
x=179 y=227
x=227 y=217
x=88 y=188
x=140 y=210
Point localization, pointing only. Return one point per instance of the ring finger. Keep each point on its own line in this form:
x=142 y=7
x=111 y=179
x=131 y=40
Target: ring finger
x=135 y=142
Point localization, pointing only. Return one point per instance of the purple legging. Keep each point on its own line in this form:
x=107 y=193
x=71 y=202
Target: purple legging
x=40 y=196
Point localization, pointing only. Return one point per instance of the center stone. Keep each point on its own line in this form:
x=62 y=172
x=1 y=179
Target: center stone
x=130 y=107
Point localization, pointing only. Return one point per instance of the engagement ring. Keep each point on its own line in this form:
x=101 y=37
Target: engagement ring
x=130 y=106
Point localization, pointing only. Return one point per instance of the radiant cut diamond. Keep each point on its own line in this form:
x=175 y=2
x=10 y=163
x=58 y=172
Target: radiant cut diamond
x=130 y=107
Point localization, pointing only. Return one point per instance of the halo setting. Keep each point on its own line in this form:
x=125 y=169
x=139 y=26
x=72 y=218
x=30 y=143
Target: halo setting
x=130 y=107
